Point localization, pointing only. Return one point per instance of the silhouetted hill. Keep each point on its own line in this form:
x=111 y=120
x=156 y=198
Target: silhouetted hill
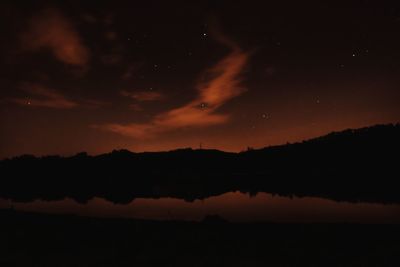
x=352 y=165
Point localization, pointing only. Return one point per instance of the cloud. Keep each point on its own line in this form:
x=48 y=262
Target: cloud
x=222 y=84
x=41 y=96
x=143 y=95
x=38 y=95
x=93 y=103
x=52 y=30
x=135 y=107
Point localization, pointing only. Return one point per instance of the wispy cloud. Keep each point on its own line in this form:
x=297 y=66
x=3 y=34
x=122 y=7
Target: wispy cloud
x=41 y=96
x=52 y=30
x=214 y=92
x=93 y=103
x=143 y=95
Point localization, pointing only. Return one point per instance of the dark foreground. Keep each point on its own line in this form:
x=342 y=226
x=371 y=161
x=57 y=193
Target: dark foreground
x=28 y=239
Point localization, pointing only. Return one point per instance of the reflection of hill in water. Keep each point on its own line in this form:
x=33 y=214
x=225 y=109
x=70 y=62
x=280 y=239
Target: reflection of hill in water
x=353 y=165
x=232 y=207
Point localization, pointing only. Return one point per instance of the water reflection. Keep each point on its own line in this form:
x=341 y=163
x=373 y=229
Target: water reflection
x=234 y=206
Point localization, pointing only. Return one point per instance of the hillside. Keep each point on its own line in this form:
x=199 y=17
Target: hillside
x=352 y=165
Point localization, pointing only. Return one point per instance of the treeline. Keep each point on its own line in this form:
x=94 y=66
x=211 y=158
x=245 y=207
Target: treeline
x=352 y=165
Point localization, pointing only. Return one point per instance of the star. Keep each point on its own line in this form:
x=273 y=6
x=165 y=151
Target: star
x=265 y=116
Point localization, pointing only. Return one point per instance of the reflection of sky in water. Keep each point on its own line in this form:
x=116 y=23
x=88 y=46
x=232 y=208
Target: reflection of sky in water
x=232 y=206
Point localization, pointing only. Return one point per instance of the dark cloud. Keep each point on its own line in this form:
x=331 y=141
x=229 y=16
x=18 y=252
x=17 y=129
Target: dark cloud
x=51 y=30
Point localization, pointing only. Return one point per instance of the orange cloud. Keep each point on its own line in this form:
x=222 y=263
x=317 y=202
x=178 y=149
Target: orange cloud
x=202 y=111
x=41 y=96
x=143 y=95
x=51 y=30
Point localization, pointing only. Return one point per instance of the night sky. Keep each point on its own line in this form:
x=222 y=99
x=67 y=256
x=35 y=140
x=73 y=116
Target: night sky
x=159 y=75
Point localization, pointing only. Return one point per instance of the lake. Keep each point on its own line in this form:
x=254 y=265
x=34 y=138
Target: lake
x=233 y=206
